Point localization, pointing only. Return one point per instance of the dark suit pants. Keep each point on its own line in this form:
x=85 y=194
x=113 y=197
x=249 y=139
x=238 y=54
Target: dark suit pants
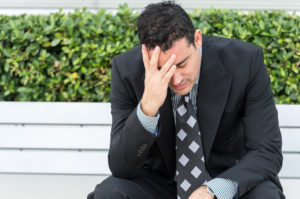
x=265 y=190
x=152 y=186
x=147 y=185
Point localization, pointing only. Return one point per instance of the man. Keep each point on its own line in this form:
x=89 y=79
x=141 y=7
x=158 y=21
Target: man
x=193 y=116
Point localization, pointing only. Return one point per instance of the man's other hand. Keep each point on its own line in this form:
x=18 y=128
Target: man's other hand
x=201 y=193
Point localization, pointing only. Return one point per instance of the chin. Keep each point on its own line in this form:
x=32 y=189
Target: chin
x=181 y=91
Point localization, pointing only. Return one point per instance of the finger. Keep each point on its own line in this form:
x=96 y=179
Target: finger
x=166 y=79
x=166 y=67
x=154 y=59
x=146 y=59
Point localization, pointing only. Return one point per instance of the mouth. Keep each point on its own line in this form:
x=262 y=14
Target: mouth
x=181 y=86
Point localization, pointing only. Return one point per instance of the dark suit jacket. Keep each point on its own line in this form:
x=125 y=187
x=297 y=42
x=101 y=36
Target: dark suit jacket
x=235 y=110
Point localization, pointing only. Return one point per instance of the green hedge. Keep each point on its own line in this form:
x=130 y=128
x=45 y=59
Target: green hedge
x=67 y=57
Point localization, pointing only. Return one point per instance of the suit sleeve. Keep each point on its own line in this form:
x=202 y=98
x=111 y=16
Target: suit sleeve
x=130 y=142
x=263 y=142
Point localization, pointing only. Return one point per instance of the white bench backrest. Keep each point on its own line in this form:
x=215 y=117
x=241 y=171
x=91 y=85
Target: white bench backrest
x=73 y=138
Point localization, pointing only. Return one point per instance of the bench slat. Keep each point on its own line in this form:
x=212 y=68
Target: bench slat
x=87 y=137
x=289 y=115
x=291 y=165
x=93 y=113
x=54 y=162
x=54 y=137
x=89 y=162
x=55 y=113
x=290 y=139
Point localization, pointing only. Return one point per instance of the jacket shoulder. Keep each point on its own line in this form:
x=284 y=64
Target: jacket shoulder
x=227 y=44
x=129 y=62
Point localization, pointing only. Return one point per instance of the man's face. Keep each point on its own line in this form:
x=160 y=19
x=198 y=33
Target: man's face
x=187 y=63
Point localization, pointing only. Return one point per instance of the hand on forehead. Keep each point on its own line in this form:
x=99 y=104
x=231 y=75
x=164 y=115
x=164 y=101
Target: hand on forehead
x=180 y=48
x=162 y=56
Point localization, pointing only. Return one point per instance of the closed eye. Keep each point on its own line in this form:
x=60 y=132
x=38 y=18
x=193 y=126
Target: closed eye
x=181 y=65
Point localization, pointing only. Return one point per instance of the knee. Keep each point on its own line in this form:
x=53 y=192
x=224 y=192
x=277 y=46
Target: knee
x=266 y=190
x=110 y=188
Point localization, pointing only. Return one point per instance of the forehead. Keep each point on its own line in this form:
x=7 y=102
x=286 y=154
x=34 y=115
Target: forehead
x=181 y=48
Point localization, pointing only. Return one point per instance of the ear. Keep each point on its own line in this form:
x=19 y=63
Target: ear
x=198 y=38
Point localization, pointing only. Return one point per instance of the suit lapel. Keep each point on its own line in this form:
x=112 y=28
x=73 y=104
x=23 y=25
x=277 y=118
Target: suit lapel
x=166 y=138
x=213 y=89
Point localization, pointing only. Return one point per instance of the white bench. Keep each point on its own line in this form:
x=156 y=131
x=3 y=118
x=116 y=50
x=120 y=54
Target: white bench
x=65 y=145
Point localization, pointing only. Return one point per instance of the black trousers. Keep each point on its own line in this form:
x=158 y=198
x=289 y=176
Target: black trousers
x=152 y=186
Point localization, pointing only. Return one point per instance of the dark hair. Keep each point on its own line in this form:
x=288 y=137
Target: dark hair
x=163 y=23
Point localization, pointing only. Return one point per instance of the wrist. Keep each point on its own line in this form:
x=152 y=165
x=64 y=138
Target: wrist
x=148 y=109
x=209 y=191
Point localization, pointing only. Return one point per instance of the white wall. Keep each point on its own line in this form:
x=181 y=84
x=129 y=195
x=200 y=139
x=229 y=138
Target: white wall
x=188 y=4
x=46 y=6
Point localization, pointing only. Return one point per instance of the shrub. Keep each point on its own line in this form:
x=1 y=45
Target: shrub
x=67 y=57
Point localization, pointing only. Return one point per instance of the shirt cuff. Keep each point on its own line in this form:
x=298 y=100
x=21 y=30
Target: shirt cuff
x=149 y=123
x=223 y=188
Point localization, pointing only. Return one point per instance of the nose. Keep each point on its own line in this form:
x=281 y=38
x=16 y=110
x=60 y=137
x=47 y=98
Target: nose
x=176 y=78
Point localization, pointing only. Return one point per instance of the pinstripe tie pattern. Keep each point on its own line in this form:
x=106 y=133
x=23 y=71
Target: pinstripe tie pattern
x=190 y=167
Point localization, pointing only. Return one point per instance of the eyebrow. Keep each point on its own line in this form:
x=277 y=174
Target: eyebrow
x=179 y=63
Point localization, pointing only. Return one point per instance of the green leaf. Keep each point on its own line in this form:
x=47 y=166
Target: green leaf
x=6 y=67
x=261 y=24
x=55 y=42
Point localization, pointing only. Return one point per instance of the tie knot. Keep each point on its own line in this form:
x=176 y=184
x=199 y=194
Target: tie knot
x=186 y=98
